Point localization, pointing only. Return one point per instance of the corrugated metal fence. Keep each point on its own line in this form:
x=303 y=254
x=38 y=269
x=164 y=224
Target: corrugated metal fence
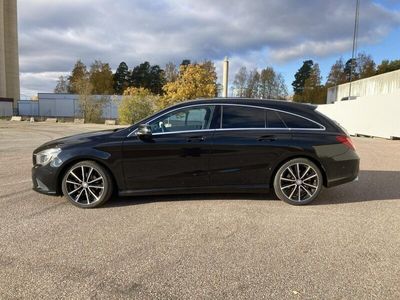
x=6 y=107
x=65 y=105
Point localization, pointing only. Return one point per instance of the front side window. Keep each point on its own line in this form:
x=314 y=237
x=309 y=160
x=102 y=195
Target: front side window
x=243 y=117
x=185 y=119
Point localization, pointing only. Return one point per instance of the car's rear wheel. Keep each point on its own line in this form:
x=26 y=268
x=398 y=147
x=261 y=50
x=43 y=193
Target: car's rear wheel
x=87 y=184
x=298 y=181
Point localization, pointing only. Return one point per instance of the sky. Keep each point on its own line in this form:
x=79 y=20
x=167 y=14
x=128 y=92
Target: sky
x=54 y=34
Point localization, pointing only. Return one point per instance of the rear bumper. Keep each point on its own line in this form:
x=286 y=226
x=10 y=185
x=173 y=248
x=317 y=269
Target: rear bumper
x=44 y=180
x=343 y=169
x=340 y=181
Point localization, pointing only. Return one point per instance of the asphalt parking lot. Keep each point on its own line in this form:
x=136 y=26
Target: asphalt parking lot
x=344 y=246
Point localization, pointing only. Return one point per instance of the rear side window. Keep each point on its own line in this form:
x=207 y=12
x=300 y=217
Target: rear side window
x=293 y=121
x=243 y=117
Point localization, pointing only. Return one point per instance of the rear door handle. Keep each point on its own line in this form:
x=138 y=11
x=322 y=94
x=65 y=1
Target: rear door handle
x=267 y=138
x=195 y=139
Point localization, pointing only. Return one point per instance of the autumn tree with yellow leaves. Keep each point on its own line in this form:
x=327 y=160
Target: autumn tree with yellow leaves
x=194 y=81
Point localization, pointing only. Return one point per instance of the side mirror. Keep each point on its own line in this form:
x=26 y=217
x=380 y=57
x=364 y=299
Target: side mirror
x=144 y=131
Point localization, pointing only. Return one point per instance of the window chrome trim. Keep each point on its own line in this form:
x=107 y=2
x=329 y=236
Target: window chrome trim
x=184 y=131
x=220 y=129
x=322 y=127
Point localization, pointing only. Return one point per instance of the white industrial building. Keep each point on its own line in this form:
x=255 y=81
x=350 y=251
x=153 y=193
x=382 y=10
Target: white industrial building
x=379 y=85
x=373 y=108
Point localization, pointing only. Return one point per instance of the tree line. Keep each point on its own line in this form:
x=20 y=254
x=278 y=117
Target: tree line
x=145 y=88
x=104 y=82
x=308 y=86
x=264 y=84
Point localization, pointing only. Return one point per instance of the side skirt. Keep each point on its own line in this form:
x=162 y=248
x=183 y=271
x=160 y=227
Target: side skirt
x=198 y=190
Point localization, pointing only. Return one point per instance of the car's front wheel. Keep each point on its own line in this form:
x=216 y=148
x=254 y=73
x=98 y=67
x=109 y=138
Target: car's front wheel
x=298 y=181
x=87 y=184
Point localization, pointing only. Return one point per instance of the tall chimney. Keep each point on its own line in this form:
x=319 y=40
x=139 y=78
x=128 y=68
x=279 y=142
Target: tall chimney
x=225 y=78
x=9 y=65
x=2 y=53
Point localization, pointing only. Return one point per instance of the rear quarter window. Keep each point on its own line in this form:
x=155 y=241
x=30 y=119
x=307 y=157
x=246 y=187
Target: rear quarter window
x=293 y=121
x=274 y=120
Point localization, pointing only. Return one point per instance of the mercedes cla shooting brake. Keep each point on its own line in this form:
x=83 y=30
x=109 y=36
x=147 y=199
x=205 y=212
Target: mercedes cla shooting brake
x=202 y=146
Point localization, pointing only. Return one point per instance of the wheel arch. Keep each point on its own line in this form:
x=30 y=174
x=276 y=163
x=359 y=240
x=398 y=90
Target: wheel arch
x=313 y=159
x=77 y=160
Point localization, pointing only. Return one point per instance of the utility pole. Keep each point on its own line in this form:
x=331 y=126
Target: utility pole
x=225 y=78
x=354 y=51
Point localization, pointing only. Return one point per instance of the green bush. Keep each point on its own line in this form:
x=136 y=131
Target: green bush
x=137 y=104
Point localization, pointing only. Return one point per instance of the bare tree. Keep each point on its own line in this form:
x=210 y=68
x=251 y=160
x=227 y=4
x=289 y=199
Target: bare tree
x=90 y=107
x=62 y=85
x=282 y=92
x=171 y=72
x=240 y=82
x=272 y=85
x=253 y=82
x=267 y=83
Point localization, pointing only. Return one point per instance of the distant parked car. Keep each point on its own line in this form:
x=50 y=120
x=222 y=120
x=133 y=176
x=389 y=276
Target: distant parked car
x=203 y=146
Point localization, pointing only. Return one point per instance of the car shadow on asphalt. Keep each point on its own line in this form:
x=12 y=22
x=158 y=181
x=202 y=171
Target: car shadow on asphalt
x=136 y=200
x=371 y=186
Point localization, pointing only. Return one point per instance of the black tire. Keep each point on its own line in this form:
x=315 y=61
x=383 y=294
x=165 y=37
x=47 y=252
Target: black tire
x=89 y=192
x=298 y=181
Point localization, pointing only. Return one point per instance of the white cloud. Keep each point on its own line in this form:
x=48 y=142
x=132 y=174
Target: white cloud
x=32 y=83
x=55 y=33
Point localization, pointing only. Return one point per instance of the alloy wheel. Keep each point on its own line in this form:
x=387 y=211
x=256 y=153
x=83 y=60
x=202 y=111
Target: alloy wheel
x=84 y=184
x=299 y=182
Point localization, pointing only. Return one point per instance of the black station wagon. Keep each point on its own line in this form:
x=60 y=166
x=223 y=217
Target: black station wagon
x=202 y=146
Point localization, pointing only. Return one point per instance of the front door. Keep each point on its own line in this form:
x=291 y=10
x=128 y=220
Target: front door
x=177 y=155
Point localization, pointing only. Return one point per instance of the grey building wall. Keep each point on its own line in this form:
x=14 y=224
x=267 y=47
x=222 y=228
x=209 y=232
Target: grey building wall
x=9 y=65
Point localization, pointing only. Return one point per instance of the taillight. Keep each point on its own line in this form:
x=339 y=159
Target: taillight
x=346 y=140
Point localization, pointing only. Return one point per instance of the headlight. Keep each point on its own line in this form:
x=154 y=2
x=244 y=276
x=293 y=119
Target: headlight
x=48 y=155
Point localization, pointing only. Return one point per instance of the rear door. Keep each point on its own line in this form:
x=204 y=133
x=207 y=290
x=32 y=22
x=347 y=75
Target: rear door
x=247 y=144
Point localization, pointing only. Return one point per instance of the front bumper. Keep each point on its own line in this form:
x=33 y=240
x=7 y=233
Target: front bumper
x=44 y=179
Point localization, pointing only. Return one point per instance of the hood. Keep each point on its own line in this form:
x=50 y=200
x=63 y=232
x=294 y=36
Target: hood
x=76 y=139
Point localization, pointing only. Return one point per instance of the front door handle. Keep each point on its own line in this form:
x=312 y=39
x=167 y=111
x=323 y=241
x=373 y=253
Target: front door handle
x=267 y=138
x=195 y=139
